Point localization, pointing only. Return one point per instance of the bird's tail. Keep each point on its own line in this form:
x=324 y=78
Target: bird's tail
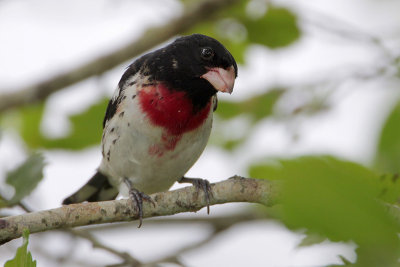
x=96 y=189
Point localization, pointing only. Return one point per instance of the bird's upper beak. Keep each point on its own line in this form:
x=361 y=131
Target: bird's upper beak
x=223 y=80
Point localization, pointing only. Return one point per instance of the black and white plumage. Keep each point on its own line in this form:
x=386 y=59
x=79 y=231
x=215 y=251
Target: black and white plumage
x=159 y=119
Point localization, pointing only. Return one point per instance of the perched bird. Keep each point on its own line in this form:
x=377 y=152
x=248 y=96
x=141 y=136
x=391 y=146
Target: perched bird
x=159 y=120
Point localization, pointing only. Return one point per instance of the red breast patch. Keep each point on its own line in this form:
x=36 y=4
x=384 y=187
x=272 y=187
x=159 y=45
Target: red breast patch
x=173 y=111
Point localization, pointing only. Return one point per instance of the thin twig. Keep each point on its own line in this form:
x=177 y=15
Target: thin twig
x=197 y=245
x=220 y=224
x=128 y=259
x=346 y=30
x=23 y=206
x=174 y=257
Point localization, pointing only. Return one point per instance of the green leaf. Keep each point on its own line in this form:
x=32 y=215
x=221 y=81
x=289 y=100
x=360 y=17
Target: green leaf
x=277 y=28
x=270 y=170
x=23 y=257
x=236 y=48
x=345 y=261
x=230 y=145
x=3 y=203
x=387 y=157
x=258 y=107
x=31 y=118
x=229 y=110
x=26 y=177
x=337 y=199
x=86 y=129
x=389 y=186
x=237 y=10
x=311 y=239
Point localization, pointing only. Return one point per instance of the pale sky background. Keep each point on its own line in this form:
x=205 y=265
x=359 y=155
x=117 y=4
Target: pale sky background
x=40 y=38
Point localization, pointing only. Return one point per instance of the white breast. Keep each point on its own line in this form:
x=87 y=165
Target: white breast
x=135 y=149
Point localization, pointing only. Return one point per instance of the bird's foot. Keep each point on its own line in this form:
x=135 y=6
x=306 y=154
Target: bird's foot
x=200 y=184
x=137 y=198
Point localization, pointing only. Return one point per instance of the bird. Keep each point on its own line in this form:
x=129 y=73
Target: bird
x=159 y=120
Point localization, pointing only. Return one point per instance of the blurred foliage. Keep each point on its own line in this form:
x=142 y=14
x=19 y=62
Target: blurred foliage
x=23 y=257
x=328 y=197
x=389 y=185
x=387 y=158
x=277 y=28
x=25 y=178
x=3 y=202
x=257 y=107
x=345 y=262
x=30 y=121
x=336 y=199
x=311 y=239
x=252 y=22
x=254 y=109
x=243 y=24
x=86 y=127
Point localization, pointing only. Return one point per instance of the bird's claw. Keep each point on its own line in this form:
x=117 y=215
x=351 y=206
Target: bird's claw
x=137 y=198
x=202 y=184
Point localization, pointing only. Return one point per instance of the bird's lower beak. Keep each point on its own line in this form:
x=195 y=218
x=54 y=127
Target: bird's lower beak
x=223 y=80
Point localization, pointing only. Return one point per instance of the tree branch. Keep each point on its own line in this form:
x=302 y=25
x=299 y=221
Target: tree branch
x=128 y=259
x=191 y=16
x=235 y=189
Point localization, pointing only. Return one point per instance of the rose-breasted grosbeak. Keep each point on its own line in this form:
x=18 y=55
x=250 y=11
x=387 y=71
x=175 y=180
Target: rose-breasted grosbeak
x=159 y=120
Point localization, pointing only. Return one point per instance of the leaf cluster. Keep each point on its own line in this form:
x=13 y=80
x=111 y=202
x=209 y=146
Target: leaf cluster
x=339 y=200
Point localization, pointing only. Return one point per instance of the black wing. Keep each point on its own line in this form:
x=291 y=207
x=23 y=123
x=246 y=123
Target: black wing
x=115 y=101
x=111 y=109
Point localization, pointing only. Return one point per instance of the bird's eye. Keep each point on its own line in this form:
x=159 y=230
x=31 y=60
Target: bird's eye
x=207 y=53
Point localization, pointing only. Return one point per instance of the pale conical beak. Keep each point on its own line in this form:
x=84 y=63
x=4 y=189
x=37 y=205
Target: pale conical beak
x=223 y=80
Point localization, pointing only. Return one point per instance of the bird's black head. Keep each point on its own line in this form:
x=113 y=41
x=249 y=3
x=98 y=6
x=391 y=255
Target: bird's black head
x=196 y=64
x=195 y=55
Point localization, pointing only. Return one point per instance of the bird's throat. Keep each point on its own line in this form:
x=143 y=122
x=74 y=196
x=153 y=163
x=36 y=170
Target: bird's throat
x=172 y=110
